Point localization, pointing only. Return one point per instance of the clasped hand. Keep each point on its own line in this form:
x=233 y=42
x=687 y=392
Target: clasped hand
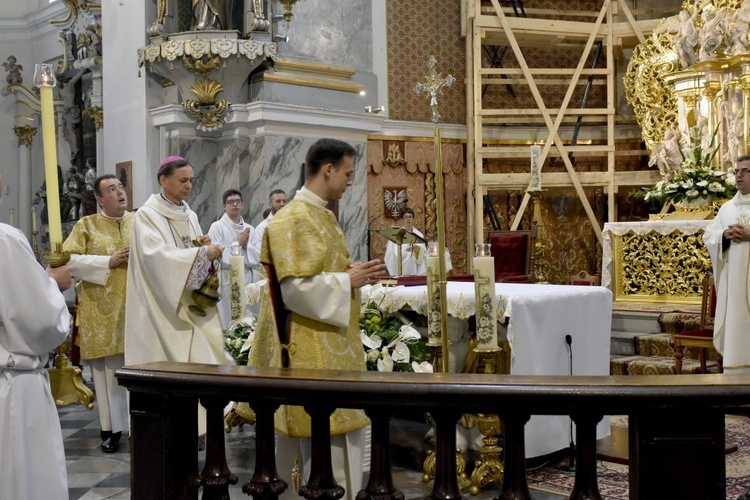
x=737 y=233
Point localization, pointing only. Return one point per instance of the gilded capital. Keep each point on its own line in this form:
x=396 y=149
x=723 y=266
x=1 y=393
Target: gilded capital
x=96 y=113
x=25 y=134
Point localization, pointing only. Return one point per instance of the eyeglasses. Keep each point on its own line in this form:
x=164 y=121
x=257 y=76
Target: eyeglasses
x=233 y=202
x=407 y=217
x=743 y=171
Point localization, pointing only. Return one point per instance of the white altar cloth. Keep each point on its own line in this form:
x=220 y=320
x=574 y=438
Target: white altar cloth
x=538 y=319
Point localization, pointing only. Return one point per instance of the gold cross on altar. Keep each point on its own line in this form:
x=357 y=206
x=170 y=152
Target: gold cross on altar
x=432 y=86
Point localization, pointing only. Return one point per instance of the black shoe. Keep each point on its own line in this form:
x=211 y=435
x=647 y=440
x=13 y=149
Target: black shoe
x=105 y=435
x=112 y=443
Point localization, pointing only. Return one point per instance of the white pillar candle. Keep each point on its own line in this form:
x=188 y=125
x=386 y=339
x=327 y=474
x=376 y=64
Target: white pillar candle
x=33 y=221
x=12 y=221
x=237 y=282
x=433 y=295
x=484 y=295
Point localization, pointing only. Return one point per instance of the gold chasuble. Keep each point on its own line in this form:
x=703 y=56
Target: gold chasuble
x=101 y=307
x=302 y=241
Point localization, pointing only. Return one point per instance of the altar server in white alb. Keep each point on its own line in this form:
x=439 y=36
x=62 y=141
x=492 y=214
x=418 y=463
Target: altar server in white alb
x=727 y=238
x=276 y=201
x=169 y=258
x=34 y=319
x=231 y=228
x=413 y=255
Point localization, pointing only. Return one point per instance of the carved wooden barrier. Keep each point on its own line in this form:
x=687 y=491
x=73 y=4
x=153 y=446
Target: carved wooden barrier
x=676 y=426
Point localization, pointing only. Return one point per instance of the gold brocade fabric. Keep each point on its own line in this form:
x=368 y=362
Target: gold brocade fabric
x=101 y=308
x=301 y=241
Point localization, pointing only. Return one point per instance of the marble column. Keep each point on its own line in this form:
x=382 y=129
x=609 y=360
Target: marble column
x=25 y=134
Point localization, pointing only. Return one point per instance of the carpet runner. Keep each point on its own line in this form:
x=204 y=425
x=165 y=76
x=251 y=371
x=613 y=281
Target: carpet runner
x=613 y=477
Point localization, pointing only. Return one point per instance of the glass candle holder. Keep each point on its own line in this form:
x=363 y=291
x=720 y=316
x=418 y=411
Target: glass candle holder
x=482 y=250
x=433 y=250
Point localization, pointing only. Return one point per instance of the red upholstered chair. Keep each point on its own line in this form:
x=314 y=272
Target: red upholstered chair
x=514 y=255
x=703 y=337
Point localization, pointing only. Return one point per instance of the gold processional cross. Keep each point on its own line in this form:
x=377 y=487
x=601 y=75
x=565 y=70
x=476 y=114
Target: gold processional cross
x=437 y=295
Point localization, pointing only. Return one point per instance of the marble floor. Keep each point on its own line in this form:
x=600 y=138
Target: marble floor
x=94 y=475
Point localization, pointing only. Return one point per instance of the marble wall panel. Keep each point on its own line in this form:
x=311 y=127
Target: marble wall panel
x=337 y=33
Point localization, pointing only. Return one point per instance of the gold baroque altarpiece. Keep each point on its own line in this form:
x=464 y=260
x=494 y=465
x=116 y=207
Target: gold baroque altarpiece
x=660 y=268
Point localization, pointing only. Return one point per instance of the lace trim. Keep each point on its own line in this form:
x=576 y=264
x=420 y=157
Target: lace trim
x=199 y=272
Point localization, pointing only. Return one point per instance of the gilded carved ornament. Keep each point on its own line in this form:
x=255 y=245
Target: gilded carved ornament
x=96 y=113
x=395 y=158
x=25 y=134
x=653 y=101
x=660 y=267
x=206 y=110
x=171 y=50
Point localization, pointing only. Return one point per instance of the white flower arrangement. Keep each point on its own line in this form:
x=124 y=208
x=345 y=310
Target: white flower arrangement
x=696 y=178
x=239 y=337
x=390 y=345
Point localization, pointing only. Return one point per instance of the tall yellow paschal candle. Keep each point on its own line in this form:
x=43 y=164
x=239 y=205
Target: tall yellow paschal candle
x=44 y=78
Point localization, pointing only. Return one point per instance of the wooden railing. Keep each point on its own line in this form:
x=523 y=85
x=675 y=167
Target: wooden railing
x=676 y=426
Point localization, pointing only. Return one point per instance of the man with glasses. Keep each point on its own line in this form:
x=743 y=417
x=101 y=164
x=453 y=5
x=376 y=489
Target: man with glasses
x=413 y=258
x=99 y=247
x=231 y=228
x=727 y=238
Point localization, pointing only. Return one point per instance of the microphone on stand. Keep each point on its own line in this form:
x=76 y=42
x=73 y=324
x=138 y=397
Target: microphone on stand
x=571 y=447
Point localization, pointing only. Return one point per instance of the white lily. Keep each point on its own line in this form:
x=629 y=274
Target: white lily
x=372 y=342
x=423 y=367
x=407 y=332
x=385 y=363
x=401 y=353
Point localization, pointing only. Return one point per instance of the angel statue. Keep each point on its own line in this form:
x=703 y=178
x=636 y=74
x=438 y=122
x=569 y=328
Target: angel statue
x=735 y=127
x=14 y=71
x=667 y=155
x=686 y=40
x=738 y=31
x=712 y=33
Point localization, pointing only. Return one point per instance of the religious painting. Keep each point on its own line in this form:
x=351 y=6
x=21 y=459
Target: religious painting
x=123 y=171
x=394 y=201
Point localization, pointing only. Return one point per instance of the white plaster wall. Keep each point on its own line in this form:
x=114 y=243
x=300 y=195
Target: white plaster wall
x=26 y=33
x=128 y=133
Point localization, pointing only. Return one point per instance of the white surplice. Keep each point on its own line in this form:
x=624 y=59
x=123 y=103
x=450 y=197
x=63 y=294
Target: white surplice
x=158 y=323
x=34 y=320
x=261 y=227
x=224 y=232
x=732 y=281
x=413 y=262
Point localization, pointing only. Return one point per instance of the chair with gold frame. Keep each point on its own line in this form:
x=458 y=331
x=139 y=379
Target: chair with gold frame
x=703 y=337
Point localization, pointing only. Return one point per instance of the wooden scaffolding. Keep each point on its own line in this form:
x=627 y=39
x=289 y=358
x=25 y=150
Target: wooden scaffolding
x=491 y=24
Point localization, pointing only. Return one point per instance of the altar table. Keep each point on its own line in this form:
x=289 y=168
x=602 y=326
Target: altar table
x=538 y=319
x=655 y=261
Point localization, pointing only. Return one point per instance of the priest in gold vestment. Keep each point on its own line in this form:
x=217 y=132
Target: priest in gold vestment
x=99 y=246
x=319 y=283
